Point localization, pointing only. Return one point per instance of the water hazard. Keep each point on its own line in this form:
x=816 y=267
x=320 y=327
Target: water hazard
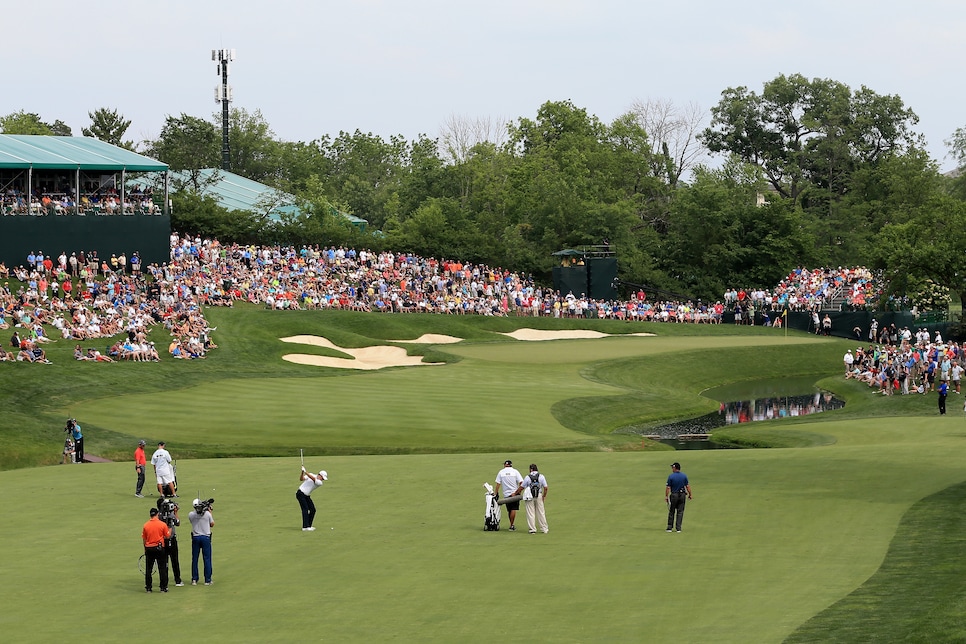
x=694 y=433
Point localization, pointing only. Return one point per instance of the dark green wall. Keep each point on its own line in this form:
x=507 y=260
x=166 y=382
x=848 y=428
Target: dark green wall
x=147 y=234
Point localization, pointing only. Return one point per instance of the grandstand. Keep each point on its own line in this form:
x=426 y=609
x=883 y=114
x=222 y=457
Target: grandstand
x=63 y=192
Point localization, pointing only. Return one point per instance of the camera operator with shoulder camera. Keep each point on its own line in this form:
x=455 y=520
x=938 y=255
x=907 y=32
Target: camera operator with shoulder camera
x=201 y=523
x=168 y=514
x=73 y=429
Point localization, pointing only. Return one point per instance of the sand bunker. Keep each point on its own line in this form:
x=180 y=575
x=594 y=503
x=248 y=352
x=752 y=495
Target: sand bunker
x=537 y=335
x=432 y=338
x=368 y=358
x=385 y=356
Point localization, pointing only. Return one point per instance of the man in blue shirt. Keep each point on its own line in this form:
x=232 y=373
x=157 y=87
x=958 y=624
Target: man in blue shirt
x=674 y=495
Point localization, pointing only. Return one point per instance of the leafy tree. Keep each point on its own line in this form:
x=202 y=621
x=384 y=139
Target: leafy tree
x=805 y=132
x=928 y=245
x=24 y=123
x=59 y=128
x=723 y=234
x=189 y=144
x=255 y=152
x=108 y=126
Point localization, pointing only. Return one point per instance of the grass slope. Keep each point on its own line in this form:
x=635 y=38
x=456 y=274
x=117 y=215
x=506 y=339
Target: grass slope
x=773 y=538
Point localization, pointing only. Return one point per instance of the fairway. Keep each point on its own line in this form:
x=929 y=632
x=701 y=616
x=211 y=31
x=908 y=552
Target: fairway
x=772 y=540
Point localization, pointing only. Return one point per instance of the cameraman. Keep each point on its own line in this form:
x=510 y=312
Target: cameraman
x=168 y=513
x=201 y=523
x=73 y=429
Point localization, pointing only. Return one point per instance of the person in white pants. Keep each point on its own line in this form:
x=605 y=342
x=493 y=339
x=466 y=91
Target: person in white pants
x=534 y=489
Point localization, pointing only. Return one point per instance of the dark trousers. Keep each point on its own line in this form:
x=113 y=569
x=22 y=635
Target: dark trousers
x=942 y=404
x=140 y=479
x=308 y=508
x=152 y=556
x=171 y=545
x=79 y=449
x=675 y=509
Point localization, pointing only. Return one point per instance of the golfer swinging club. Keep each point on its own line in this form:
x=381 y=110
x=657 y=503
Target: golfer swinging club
x=309 y=483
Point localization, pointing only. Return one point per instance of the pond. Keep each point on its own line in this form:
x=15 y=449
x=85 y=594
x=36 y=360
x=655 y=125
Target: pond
x=747 y=403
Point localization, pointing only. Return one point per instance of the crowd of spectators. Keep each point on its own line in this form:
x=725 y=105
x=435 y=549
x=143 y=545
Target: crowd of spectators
x=909 y=362
x=98 y=202
x=86 y=298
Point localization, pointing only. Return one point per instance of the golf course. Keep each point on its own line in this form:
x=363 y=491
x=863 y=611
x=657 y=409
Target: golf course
x=844 y=526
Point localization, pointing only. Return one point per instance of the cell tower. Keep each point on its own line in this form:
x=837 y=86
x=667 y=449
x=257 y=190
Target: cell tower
x=223 y=95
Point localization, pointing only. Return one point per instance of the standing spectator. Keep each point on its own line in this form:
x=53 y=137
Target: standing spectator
x=943 y=390
x=161 y=460
x=826 y=325
x=74 y=428
x=674 y=495
x=139 y=464
x=153 y=534
x=509 y=479
x=849 y=360
x=309 y=483
x=956 y=374
x=534 y=488
x=202 y=522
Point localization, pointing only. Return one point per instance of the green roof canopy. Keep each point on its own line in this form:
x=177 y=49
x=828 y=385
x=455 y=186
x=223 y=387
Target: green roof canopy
x=71 y=152
x=235 y=192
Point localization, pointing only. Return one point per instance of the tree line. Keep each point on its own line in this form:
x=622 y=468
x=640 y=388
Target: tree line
x=806 y=172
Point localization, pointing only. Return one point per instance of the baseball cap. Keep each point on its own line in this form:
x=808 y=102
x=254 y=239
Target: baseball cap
x=507 y=463
x=153 y=512
x=324 y=475
x=141 y=442
x=676 y=466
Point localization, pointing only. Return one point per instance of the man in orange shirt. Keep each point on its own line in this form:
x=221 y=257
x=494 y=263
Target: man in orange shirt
x=139 y=462
x=154 y=534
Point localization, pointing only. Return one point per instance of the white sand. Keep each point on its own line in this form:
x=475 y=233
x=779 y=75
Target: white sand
x=367 y=358
x=432 y=338
x=385 y=356
x=537 y=335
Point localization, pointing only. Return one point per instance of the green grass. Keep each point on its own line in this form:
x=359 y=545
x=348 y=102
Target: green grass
x=799 y=540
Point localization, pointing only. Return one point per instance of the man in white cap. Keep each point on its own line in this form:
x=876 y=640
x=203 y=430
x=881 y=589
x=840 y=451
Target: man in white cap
x=849 y=361
x=310 y=482
x=161 y=460
x=508 y=480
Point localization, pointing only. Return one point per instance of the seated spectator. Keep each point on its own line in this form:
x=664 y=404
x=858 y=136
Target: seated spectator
x=79 y=353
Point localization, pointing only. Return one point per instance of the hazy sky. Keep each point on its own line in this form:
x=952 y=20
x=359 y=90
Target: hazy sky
x=406 y=67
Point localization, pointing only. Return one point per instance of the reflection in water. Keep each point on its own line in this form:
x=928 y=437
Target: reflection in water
x=747 y=411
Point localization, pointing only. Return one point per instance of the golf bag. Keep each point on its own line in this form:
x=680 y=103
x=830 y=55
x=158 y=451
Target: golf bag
x=491 y=516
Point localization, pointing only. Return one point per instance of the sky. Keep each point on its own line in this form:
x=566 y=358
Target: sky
x=386 y=67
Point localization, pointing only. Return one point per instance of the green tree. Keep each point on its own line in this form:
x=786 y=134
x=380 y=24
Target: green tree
x=108 y=126
x=24 y=123
x=928 y=245
x=188 y=144
x=805 y=132
x=723 y=233
x=255 y=152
